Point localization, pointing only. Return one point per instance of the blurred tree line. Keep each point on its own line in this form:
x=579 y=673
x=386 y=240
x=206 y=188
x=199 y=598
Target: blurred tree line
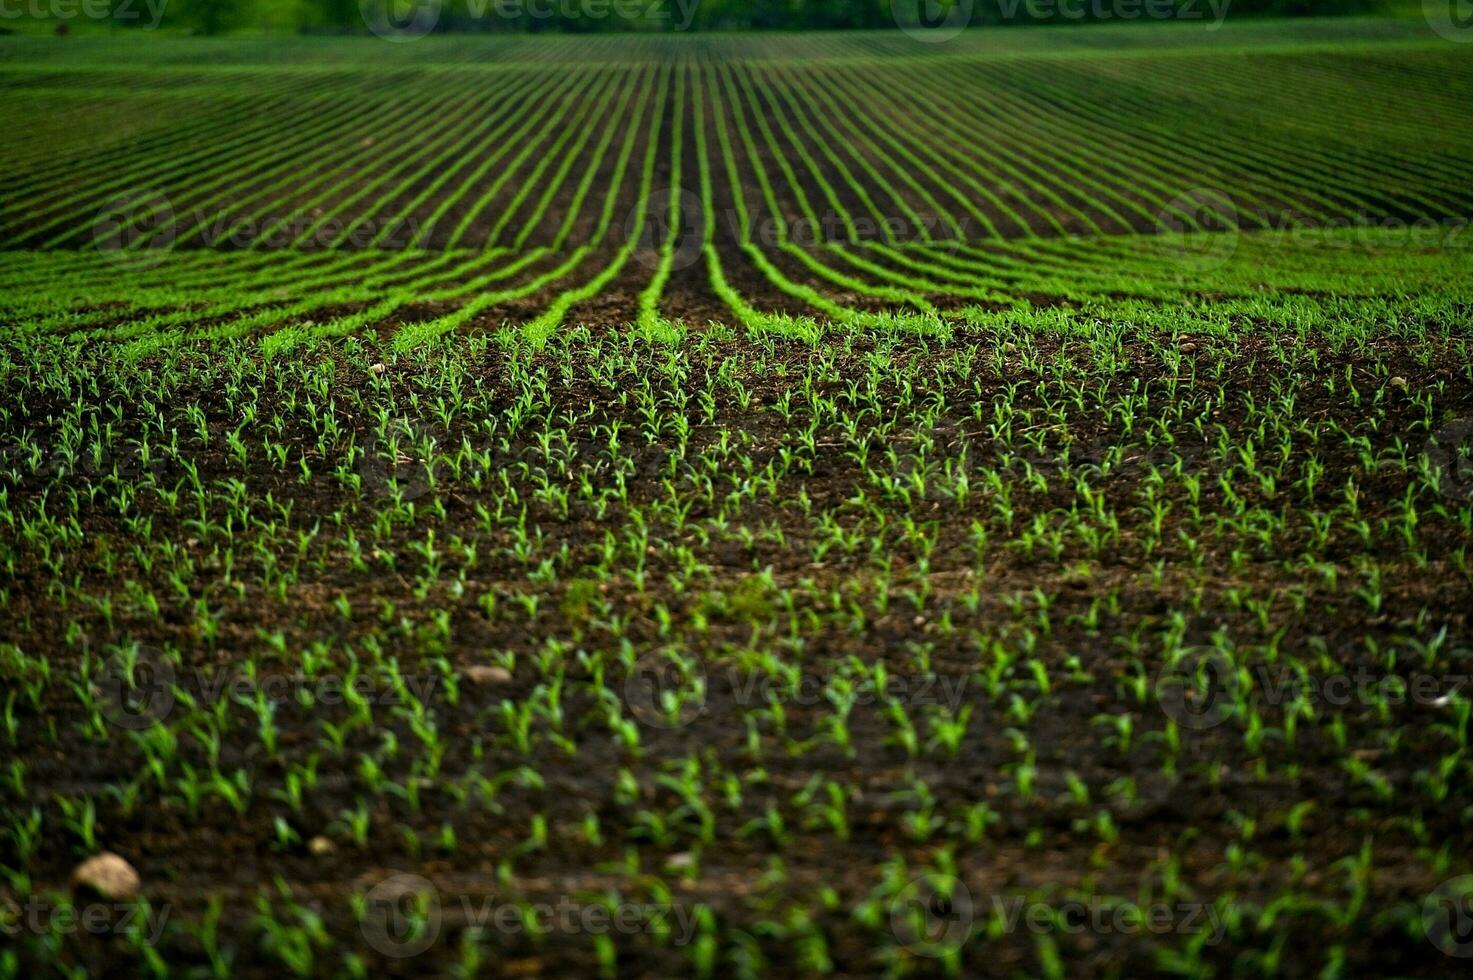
x=590 y=16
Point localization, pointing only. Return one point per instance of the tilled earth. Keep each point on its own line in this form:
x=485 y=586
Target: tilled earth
x=1010 y=652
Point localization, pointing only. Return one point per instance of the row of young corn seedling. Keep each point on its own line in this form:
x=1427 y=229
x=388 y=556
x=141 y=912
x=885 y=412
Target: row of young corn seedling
x=615 y=620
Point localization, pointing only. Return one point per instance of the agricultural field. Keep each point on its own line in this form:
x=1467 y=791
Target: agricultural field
x=738 y=505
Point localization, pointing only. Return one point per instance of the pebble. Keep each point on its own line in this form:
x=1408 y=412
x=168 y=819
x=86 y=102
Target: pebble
x=485 y=674
x=109 y=876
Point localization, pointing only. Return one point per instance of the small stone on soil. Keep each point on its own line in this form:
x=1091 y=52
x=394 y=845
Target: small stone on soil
x=109 y=876
x=483 y=674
